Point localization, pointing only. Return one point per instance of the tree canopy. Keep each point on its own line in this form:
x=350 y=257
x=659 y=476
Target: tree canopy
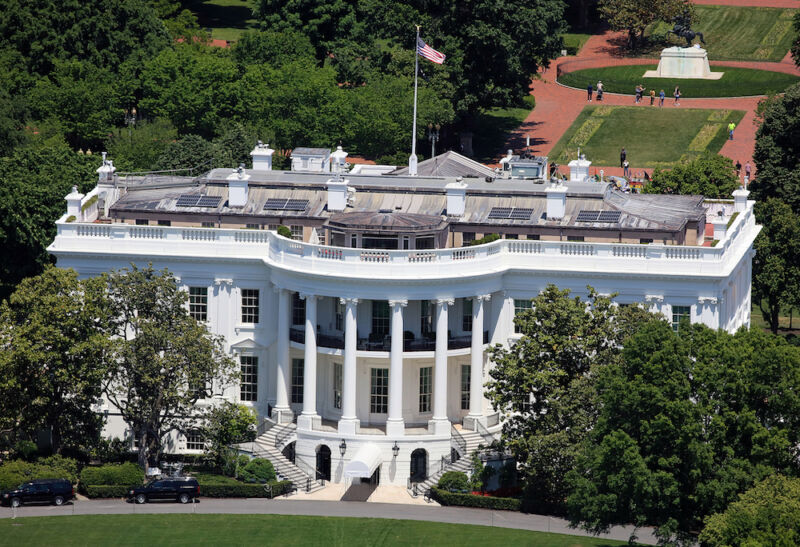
x=634 y=16
x=709 y=175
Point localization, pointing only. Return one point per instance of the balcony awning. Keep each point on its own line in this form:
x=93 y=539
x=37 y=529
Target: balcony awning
x=365 y=462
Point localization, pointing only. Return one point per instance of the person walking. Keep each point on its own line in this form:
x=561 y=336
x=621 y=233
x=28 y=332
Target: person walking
x=599 y=90
x=652 y=97
x=677 y=96
x=626 y=169
x=589 y=92
x=747 y=170
x=731 y=127
x=622 y=156
x=661 y=98
x=738 y=167
x=638 y=94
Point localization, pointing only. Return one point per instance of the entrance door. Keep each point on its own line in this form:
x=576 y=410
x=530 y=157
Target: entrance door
x=419 y=465
x=323 y=462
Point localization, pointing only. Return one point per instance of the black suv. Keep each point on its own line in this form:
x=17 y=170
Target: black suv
x=182 y=489
x=55 y=491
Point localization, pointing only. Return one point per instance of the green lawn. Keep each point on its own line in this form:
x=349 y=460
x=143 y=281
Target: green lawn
x=189 y=529
x=652 y=136
x=574 y=41
x=492 y=127
x=737 y=33
x=735 y=82
x=227 y=19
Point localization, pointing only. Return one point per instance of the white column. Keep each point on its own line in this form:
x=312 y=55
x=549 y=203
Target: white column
x=476 y=359
x=282 y=413
x=349 y=422
x=309 y=416
x=439 y=424
x=394 y=421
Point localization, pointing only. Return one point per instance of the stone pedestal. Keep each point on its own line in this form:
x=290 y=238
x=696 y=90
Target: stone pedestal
x=684 y=62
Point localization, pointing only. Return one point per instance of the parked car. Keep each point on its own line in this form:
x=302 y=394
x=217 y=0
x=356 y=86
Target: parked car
x=55 y=491
x=182 y=489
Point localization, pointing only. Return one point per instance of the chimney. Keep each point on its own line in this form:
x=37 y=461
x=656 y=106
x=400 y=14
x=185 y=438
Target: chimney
x=262 y=157
x=237 y=187
x=338 y=159
x=74 y=203
x=337 y=193
x=105 y=173
x=740 y=199
x=556 y=201
x=456 y=198
x=579 y=169
x=720 y=222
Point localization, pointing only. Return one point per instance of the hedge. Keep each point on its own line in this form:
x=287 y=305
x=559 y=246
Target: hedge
x=106 y=491
x=468 y=500
x=124 y=474
x=15 y=472
x=258 y=470
x=453 y=481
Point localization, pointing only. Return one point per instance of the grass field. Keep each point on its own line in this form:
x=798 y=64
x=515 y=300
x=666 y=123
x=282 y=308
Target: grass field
x=735 y=82
x=267 y=530
x=227 y=19
x=493 y=126
x=652 y=136
x=736 y=33
x=573 y=42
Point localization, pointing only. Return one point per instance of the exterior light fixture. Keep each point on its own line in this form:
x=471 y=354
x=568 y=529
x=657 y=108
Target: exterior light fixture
x=395 y=449
x=342 y=448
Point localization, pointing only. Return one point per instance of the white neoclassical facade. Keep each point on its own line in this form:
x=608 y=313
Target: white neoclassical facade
x=377 y=341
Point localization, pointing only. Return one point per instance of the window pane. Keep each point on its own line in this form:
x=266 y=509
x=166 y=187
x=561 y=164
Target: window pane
x=520 y=306
x=249 y=381
x=426 y=317
x=249 y=305
x=198 y=303
x=466 y=319
x=297 y=232
x=337 y=385
x=466 y=371
x=425 y=376
x=379 y=391
x=298 y=310
x=195 y=440
x=679 y=313
x=380 y=317
x=298 y=366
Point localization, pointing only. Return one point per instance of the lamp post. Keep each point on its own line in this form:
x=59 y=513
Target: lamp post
x=433 y=136
x=342 y=448
x=395 y=450
x=130 y=119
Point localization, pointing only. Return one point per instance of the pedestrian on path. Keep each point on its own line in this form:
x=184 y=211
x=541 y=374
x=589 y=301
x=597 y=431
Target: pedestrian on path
x=731 y=127
x=622 y=156
x=652 y=97
x=738 y=168
x=677 y=96
x=747 y=169
x=589 y=92
x=638 y=93
x=661 y=98
x=600 y=90
x=626 y=171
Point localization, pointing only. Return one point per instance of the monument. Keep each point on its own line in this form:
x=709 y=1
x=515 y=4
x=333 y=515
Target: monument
x=684 y=62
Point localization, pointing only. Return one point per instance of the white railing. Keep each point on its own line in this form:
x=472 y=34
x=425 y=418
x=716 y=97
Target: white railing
x=508 y=253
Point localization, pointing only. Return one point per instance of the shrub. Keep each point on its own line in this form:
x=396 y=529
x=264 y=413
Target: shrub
x=257 y=470
x=25 y=450
x=280 y=487
x=238 y=490
x=469 y=500
x=15 y=472
x=284 y=231
x=59 y=467
x=485 y=239
x=454 y=481
x=106 y=491
x=125 y=474
x=234 y=464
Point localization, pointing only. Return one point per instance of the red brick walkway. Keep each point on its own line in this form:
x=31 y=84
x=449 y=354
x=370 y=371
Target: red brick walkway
x=558 y=106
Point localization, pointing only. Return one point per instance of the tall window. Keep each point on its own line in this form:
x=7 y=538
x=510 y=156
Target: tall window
x=195 y=440
x=198 y=303
x=298 y=366
x=425 y=317
x=425 y=383
x=337 y=385
x=380 y=317
x=468 y=237
x=679 y=313
x=339 y=315
x=249 y=384
x=298 y=310
x=466 y=378
x=379 y=391
x=520 y=306
x=297 y=232
x=466 y=318
x=249 y=305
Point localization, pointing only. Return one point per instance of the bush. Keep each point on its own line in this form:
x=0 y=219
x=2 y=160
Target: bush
x=25 y=450
x=234 y=464
x=125 y=474
x=106 y=491
x=238 y=490
x=59 y=466
x=257 y=470
x=454 y=481
x=14 y=473
x=280 y=487
x=469 y=500
x=284 y=231
x=485 y=239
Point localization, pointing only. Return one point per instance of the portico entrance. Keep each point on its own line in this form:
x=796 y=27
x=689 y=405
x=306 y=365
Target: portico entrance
x=419 y=465
x=323 y=462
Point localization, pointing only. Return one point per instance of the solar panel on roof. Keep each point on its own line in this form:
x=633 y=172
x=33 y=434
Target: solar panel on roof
x=188 y=200
x=520 y=213
x=500 y=212
x=609 y=216
x=276 y=203
x=296 y=205
x=208 y=201
x=587 y=216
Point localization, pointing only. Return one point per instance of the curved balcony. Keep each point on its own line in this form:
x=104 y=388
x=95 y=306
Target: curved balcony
x=380 y=342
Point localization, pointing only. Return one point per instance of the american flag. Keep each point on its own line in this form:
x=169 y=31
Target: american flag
x=429 y=53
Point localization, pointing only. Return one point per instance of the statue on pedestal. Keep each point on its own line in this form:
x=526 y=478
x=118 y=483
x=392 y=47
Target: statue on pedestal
x=683 y=29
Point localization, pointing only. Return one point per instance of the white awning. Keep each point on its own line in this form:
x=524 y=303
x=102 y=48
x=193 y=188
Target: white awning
x=365 y=462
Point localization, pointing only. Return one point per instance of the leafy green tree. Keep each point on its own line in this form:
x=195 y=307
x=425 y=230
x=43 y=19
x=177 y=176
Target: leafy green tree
x=227 y=424
x=159 y=356
x=767 y=514
x=634 y=16
x=258 y=470
x=139 y=147
x=190 y=151
x=709 y=175
x=796 y=44
x=544 y=383
x=777 y=151
x=52 y=361
x=233 y=146
x=776 y=266
x=272 y=48
x=686 y=422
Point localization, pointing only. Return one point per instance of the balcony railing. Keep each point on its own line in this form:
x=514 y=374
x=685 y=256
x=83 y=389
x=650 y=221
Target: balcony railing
x=384 y=342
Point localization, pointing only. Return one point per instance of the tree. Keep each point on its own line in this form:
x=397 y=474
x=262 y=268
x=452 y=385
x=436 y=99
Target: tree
x=777 y=151
x=767 y=514
x=709 y=175
x=634 y=16
x=139 y=147
x=544 y=383
x=190 y=151
x=227 y=424
x=162 y=359
x=796 y=44
x=272 y=48
x=686 y=422
x=53 y=359
x=776 y=266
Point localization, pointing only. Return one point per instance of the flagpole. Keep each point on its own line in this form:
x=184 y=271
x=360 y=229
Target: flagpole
x=412 y=159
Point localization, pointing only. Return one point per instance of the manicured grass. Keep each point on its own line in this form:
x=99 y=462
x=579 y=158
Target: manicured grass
x=573 y=42
x=189 y=529
x=735 y=82
x=227 y=19
x=492 y=127
x=737 y=33
x=652 y=136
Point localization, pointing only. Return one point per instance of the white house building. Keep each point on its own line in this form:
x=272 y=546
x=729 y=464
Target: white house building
x=363 y=336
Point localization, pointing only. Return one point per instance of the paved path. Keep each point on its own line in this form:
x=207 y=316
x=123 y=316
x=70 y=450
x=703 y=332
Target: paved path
x=453 y=515
x=753 y=3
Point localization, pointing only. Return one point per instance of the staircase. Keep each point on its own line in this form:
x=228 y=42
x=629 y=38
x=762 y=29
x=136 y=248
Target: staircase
x=267 y=445
x=471 y=442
